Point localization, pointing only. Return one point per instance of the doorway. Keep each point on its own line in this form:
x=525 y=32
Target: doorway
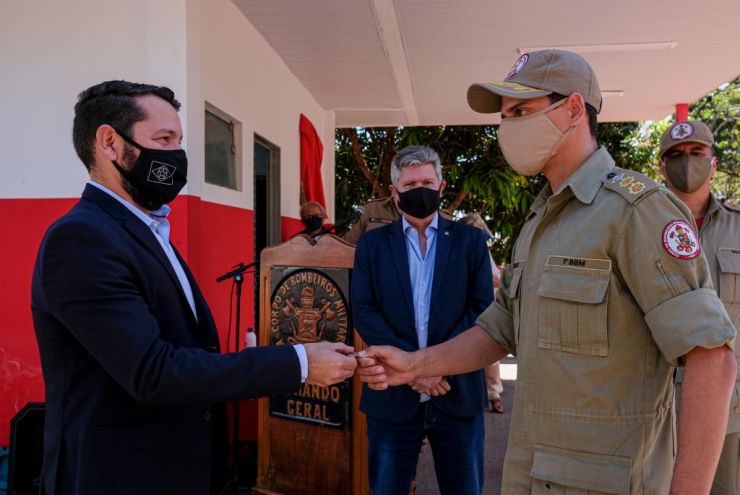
x=266 y=206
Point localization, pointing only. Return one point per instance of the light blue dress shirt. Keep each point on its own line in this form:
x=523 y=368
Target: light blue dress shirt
x=160 y=227
x=421 y=271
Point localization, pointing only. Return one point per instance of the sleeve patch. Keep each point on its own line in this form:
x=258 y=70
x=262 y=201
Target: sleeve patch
x=680 y=241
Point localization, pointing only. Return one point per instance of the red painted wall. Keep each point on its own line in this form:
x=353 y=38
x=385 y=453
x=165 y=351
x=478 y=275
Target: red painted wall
x=24 y=222
x=211 y=237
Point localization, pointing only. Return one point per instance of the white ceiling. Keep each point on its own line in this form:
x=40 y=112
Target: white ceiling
x=410 y=62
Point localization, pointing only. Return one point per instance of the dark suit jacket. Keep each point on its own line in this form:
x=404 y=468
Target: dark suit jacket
x=383 y=312
x=131 y=377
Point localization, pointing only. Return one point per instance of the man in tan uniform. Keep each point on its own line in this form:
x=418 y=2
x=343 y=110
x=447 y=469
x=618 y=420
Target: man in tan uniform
x=378 y=212
x=688 y=164
x=607 y=292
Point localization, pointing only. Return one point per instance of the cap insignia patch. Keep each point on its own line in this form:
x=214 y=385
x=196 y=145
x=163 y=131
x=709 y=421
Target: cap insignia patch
x=518 y=65
x=680 y=241
x=682 y=131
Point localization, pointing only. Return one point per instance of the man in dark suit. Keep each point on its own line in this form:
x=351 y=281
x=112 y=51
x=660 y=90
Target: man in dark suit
x=129 y=349
x=418 y=282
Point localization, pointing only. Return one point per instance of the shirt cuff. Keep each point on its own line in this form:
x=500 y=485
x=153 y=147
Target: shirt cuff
x=693 y=319
x=303 y=358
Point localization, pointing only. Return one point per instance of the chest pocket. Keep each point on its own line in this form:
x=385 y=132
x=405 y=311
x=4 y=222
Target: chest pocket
x=729 y=275
x=573 y=316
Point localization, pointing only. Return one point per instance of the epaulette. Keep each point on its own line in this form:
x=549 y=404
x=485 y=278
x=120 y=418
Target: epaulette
x=629 y=184
x=731 y=206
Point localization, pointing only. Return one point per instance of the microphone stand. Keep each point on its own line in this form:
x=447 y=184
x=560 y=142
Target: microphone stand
x=237 y=273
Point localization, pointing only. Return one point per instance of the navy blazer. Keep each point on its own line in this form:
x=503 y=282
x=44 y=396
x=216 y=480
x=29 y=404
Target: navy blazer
x=383 y=312
x=133 y=381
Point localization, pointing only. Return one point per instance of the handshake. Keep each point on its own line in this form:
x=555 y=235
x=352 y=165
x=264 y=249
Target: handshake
x=378 y=366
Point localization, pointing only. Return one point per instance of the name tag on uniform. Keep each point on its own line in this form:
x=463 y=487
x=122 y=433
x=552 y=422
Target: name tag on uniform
x=380 y=220
x=729 y=251
x=587 y=263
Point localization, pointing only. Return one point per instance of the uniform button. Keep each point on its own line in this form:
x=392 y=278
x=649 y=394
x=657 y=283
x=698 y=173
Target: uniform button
x=207 y=415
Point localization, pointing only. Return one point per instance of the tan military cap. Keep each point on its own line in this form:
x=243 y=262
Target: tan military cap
x=538 y=74
x=690 y=131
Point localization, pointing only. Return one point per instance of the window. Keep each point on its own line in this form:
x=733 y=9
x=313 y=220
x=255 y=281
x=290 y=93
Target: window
x=223 y=149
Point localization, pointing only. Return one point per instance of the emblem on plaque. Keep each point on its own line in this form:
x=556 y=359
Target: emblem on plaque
x=308 y=307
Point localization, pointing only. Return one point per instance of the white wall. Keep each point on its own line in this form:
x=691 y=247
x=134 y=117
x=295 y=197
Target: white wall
x=49 y=52
x=205 y=50
x=232 y=67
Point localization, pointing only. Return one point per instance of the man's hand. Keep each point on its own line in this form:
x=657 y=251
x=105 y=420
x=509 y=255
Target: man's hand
x=435 y=386
x=385 y=366
x=329 y=363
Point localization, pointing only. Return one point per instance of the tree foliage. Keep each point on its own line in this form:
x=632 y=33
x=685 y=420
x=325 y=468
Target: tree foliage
x=479 y=179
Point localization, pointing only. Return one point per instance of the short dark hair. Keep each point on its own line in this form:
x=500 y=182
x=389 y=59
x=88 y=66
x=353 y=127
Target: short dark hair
x=590 y=111
x=113 y=103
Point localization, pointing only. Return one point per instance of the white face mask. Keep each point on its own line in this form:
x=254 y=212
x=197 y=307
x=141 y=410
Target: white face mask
x=529 y=141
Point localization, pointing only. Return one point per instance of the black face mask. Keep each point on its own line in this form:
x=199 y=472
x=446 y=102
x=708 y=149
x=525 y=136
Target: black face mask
x=312 y=223
x=419 y=202
x=156 y=177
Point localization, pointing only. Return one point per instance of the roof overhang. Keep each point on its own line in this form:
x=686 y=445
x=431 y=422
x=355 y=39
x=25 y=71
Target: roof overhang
x=410 y=62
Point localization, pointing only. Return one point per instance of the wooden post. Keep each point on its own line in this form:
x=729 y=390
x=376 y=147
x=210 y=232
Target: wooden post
x=314 y=441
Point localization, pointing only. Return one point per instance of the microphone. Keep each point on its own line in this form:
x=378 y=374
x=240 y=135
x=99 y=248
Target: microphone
x=238 y=270
x=356 y=214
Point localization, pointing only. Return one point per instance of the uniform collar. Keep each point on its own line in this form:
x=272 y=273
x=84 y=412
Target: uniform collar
x=713 y=207
x=588 y=179
x=584 y=182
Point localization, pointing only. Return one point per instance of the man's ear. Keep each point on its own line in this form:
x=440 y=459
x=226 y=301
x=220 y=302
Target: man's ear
x=107 y=142
x=661 y=165
x=576 y=106
x=442 y=187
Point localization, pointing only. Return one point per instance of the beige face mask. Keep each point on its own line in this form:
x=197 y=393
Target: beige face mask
x=529 y=141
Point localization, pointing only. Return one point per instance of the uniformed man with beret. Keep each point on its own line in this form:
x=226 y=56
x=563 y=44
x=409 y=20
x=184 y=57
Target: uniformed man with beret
x=607 y=292
x=688 y=162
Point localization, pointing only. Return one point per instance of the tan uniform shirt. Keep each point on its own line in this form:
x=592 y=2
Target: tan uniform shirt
x=377 y=213
x=598 y=312
x=720 y=239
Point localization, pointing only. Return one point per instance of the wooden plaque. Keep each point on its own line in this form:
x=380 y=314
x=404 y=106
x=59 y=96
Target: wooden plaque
x=314 y=441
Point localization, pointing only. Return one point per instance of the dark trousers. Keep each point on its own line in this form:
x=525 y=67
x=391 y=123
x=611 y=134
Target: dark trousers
x=457 y=447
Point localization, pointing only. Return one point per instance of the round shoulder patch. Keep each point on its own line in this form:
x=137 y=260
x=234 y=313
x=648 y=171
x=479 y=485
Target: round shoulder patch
x=682 y=131
x=680 y=241
x=518 y=65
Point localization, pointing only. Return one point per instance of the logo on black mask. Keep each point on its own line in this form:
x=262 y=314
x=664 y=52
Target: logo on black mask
x=161 y=173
